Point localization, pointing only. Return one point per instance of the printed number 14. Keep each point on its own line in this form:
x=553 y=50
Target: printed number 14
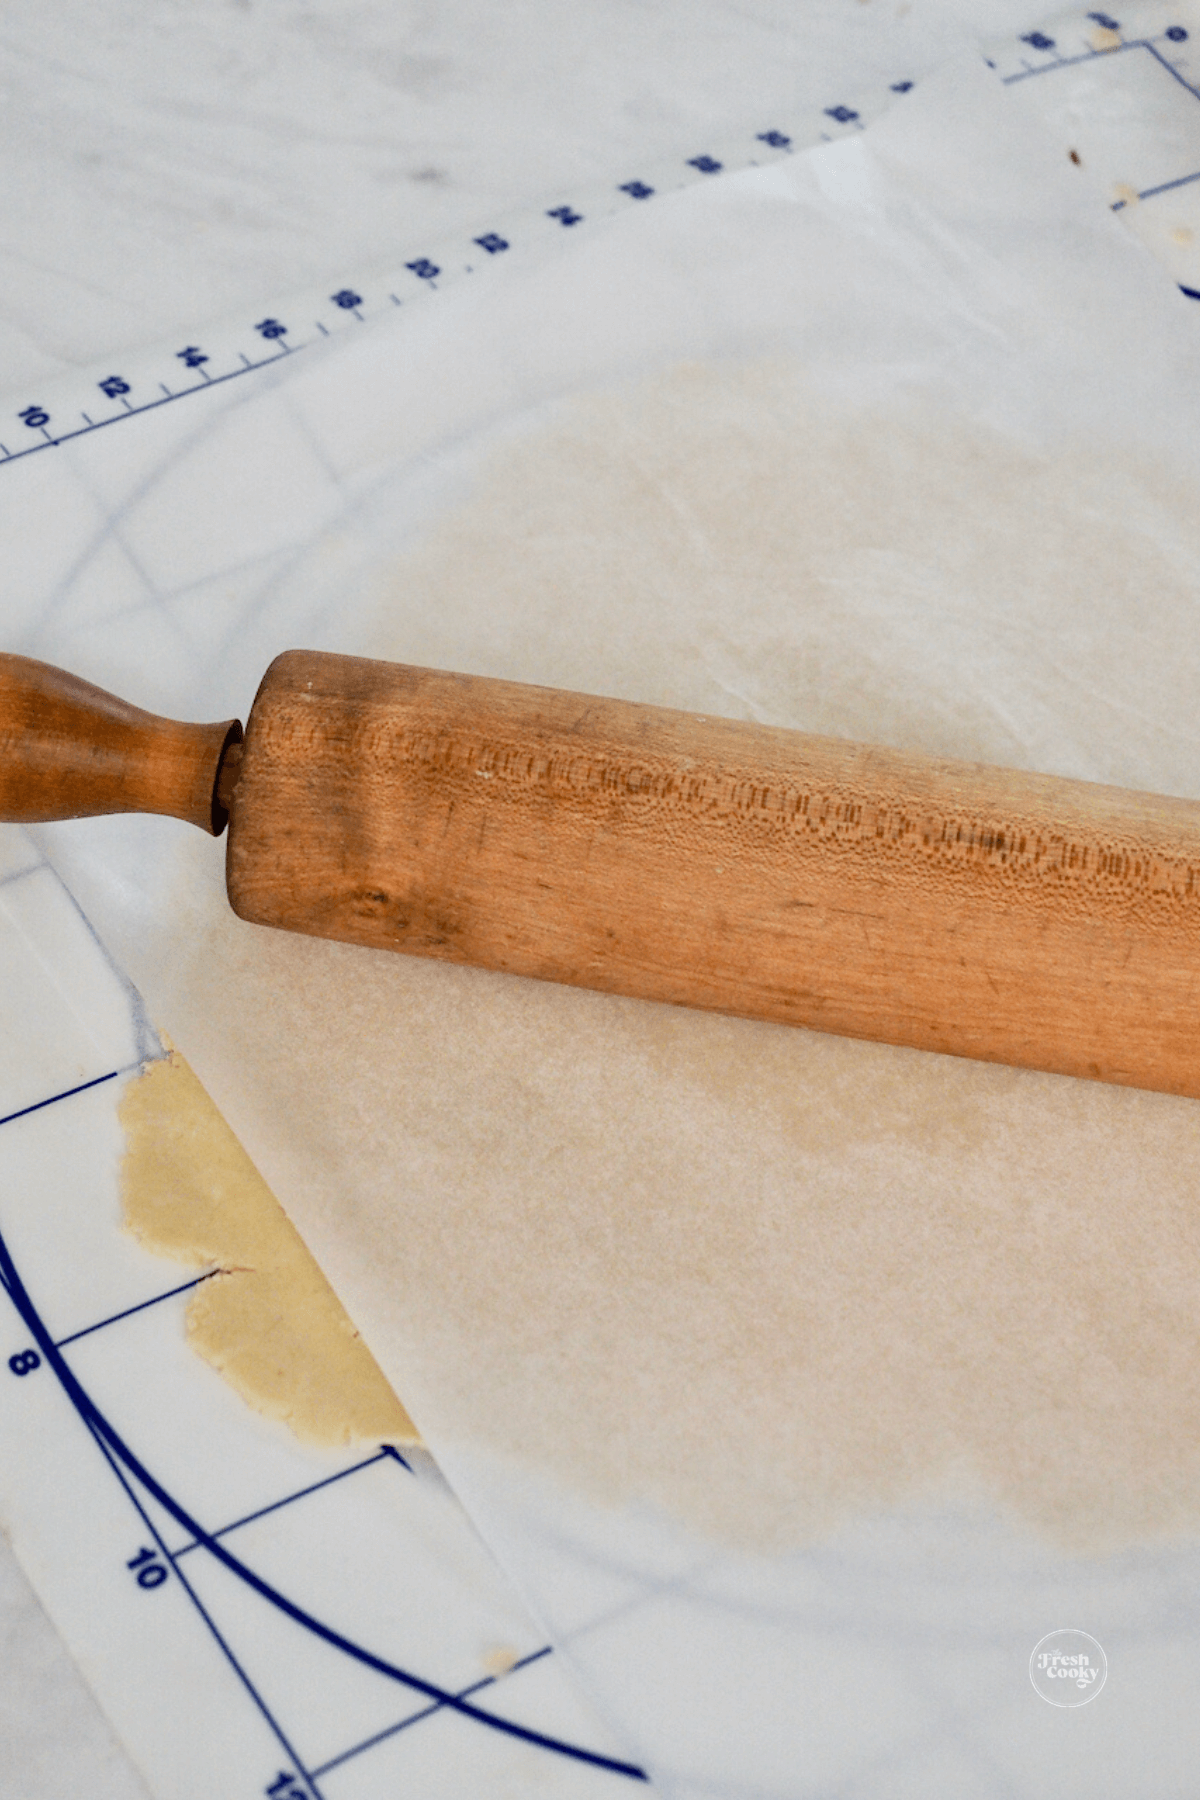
x=285 y=1787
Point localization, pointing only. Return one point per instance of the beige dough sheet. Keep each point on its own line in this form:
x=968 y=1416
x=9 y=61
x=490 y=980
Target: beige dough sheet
x=265 y=1318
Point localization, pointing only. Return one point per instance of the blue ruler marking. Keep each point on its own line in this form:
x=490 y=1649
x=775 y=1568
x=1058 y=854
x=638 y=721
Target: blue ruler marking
x=133 y=1474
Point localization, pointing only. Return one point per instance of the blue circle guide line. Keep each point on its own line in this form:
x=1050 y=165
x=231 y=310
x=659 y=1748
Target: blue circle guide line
x=126 y=1463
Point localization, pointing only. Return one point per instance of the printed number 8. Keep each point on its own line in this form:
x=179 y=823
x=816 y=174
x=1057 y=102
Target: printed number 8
x=25 y=1362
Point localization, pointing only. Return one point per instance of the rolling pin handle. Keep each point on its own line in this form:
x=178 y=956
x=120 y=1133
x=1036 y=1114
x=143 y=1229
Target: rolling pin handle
x=227 y=777
x=69 y=750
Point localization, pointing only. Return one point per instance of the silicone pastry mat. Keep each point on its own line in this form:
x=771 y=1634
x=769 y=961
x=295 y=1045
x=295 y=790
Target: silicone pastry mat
x=256 y=1616
x=164 y=496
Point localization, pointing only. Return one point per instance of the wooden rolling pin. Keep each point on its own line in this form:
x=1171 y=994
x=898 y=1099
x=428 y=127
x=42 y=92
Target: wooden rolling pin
x=1016 y=918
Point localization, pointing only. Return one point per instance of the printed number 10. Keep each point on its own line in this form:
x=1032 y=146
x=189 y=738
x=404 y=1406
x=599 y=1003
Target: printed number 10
x=149 y=1570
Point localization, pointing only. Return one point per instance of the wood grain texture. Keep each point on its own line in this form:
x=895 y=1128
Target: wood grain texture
x=988 y=913
x=69 y=750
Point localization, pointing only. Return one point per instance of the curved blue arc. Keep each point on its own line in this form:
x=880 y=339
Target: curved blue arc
x=90 y=1413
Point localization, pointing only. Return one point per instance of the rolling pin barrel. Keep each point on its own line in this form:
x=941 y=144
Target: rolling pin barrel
x=711 y=863
x=1016 y=918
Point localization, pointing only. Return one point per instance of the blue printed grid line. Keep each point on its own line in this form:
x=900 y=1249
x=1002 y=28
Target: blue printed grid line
x=1173 y=34
x=136 y=1479
x=423 y=276
x=1040 y=41
x=426 y=1712
x=128 y=1312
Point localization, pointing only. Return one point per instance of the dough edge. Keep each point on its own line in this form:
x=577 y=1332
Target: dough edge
x=265 y=1318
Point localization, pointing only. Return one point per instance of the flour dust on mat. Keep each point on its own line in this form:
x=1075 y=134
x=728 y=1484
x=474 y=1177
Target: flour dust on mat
x=764 y=1280
x=267 y=1319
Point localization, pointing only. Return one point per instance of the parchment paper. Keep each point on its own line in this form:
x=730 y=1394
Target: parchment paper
x=793 y=1377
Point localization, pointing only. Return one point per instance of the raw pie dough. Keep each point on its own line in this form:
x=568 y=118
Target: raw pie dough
x=266 y=1319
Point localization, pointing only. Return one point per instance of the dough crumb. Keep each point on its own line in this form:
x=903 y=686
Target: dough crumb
x=1104 y=37
x=266 y=1319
